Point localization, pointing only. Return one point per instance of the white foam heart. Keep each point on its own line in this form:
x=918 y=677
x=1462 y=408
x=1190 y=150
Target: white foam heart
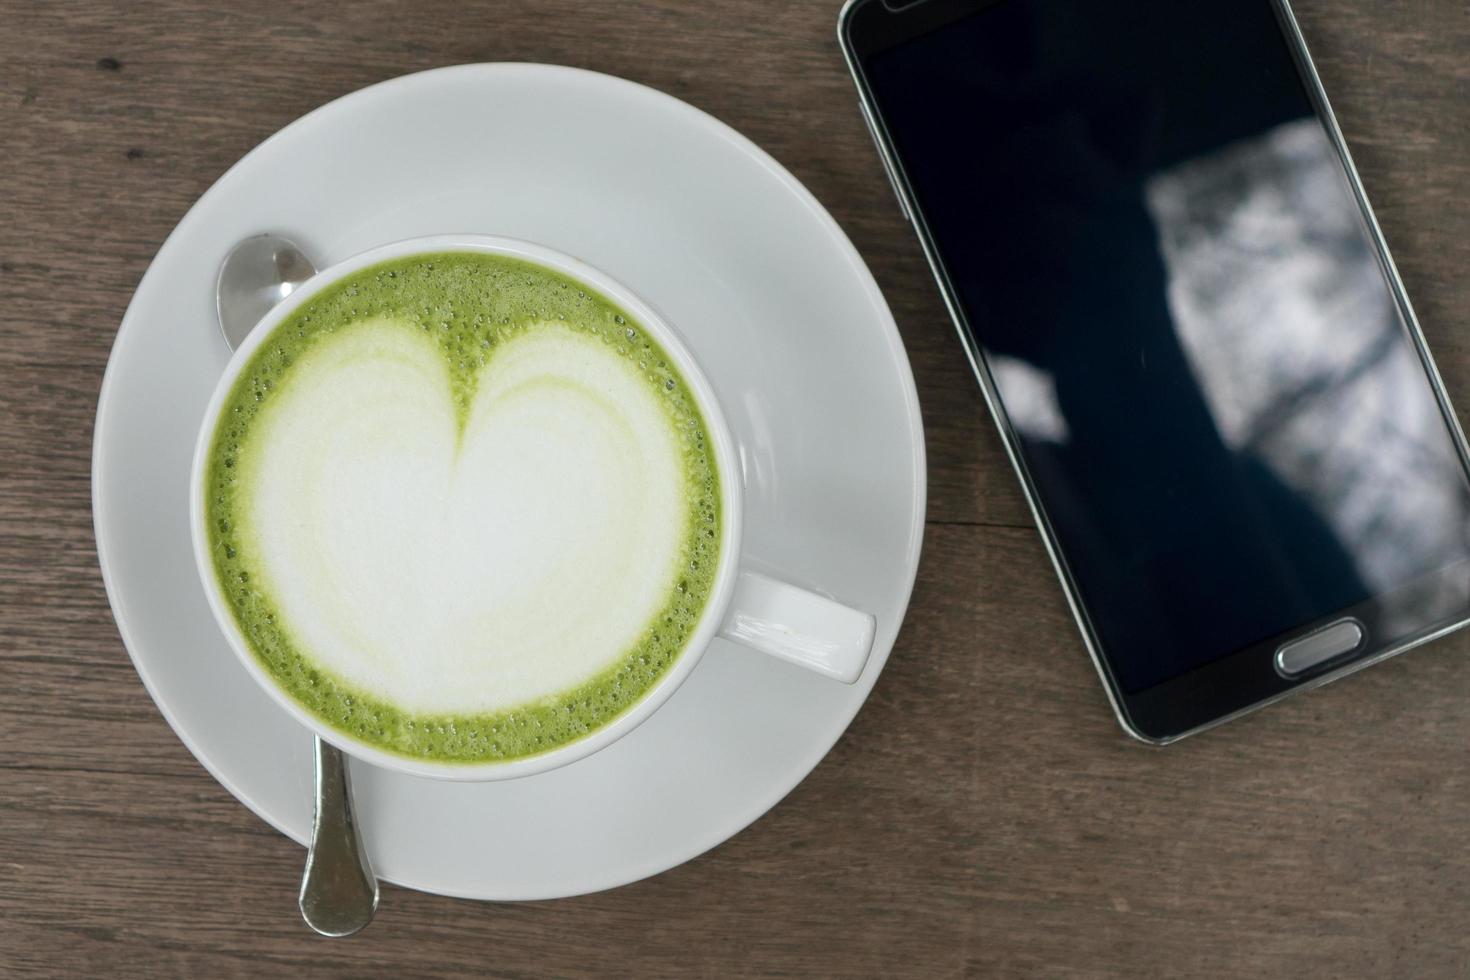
x=465 y=571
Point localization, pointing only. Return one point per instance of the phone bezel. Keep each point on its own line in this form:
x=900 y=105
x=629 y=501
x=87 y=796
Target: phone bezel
x=1245 y=680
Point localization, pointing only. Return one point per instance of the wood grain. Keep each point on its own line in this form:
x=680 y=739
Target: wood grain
x=983 y=817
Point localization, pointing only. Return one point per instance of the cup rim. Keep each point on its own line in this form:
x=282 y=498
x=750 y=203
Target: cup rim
x=726 y=460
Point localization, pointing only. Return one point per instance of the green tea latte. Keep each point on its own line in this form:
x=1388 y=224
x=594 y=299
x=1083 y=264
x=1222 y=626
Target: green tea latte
x=463 y=508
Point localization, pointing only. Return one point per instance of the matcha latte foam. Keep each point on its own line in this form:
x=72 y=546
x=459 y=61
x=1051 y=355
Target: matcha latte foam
x=462 y=508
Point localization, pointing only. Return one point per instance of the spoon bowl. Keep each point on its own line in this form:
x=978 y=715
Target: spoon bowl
x=259 y=272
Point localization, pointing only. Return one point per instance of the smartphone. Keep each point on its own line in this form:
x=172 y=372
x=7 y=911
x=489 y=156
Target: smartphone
x=1187 y=326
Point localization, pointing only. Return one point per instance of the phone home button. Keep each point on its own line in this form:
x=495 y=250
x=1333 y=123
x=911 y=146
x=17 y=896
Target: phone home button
x=1299 y=656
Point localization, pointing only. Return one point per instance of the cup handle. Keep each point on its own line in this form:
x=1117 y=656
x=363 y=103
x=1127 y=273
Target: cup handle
x=802 y=627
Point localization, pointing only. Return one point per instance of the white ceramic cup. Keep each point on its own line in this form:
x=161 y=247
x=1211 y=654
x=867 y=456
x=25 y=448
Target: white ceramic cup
x=751 y=609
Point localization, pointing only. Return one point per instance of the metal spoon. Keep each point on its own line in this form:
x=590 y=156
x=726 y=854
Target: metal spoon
x=339 y=892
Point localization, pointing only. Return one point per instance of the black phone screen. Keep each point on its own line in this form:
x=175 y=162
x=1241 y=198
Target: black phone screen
x=1163 y=265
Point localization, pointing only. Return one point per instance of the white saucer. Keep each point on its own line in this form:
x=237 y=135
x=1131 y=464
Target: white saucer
x=772 y=297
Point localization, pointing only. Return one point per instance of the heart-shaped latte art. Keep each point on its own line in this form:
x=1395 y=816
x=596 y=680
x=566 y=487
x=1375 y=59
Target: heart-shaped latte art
x=463 y=557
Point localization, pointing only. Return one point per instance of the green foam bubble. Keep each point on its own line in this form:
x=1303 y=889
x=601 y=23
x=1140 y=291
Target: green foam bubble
x=470 y=303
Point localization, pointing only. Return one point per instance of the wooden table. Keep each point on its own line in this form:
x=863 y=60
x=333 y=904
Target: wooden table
x=984 y=816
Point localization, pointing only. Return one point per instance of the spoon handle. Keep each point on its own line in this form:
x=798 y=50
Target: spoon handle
x=338 y=890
